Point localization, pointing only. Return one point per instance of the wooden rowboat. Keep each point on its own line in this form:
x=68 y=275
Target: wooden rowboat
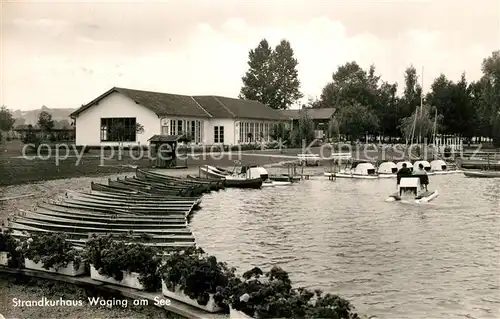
x=482 y=174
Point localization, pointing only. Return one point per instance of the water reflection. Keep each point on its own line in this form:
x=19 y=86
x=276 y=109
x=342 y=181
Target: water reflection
x=394 y=260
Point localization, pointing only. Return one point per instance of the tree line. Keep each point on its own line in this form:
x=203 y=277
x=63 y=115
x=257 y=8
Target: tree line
x=45 y=123
x=366 y=104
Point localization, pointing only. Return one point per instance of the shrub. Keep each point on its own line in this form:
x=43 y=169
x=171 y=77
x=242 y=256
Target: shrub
x=271 y=295
x=111 y=256
x=11 y=245
x=197 y=275
x=52 y=250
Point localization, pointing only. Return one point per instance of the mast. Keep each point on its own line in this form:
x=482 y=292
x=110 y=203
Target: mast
x=421 y=104
x=435 y=128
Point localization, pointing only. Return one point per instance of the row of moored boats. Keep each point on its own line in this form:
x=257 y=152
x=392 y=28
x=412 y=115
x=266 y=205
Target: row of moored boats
x=366 y=170
x=152 y=207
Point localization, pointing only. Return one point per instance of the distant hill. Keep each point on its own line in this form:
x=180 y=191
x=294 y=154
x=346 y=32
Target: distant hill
x=31 y=116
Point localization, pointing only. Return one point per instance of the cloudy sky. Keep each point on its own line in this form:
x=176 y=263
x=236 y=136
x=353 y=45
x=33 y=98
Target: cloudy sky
x=65 y=54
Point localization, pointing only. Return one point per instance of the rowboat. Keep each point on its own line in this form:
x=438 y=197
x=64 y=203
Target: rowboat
x=245 y=172
x=135 y=219
x=232 y=181
x=482 y=174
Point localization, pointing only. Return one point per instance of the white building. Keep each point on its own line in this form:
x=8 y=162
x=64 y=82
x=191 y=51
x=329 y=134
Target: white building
x=112 y=117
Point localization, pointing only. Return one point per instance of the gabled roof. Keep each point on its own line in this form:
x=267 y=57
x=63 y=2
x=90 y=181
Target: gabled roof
x=164 y=104
x=313 y=113
x=159 y=103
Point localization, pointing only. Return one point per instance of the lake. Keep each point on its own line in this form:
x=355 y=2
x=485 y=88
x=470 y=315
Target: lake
x=392 y=260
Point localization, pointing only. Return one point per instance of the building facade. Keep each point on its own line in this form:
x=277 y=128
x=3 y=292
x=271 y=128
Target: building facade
x=131 y=117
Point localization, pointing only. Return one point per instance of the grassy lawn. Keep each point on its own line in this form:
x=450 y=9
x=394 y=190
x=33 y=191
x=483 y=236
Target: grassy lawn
x=14 y=169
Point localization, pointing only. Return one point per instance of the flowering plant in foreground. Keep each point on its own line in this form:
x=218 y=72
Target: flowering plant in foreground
x=197 y=275
x=10 y=244
x=52 y=250
x=112 y=256
x=271 y=295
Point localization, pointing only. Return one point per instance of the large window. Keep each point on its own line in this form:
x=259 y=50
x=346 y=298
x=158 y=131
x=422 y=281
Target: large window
x=219 y=134
x=118 y=129
x=258 y=132
x=191 y=128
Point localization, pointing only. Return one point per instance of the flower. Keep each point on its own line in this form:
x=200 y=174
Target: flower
x=245 y=297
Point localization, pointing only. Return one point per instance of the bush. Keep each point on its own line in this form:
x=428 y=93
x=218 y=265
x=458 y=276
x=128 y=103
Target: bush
x=11 y=245
x=112 y=256
x=271 y=295
x=52 y=250
x=197 y=275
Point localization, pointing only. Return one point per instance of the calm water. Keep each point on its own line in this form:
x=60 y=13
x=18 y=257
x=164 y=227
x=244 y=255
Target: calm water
x=393 y=260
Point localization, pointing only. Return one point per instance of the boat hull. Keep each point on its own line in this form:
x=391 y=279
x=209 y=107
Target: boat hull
x=231 y=181
x=272 y=183
x=382 y=175
x=422 y=198
x=447 y=172
x=354 y=176
x=482 y=174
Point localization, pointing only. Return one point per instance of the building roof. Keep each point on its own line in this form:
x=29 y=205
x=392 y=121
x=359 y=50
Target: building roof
x=164 y=104
x=159 y=103
x=225 y=107
x=313 y=113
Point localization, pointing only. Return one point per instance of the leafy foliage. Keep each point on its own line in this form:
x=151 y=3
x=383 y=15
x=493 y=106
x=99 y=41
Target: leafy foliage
x=356 y=119
x=45 y=121
x=280 y=132
x=6 y=119
x=112 y=256
x=270 y=295
x=52 y=250
x=420 y=123
x=304 y=133
x=197 y=275
x=11 y=245
x=272 y=77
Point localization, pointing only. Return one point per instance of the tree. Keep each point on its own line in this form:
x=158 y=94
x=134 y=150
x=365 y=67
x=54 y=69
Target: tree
x=6 y=119
x=454 y=101
x=280 y=132
x=45 y=121
x=421 y=122
x=489 y=90
x=412 y=93
x=350 y=84
x=272 y=77
x=333 y=128
x=257 y=82
x=356 y=119
x=386 y=109
x=304 y=133
x=285 y=77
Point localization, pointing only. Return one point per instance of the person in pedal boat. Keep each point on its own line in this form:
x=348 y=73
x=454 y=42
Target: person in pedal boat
x=403 y=172
x=422 y=174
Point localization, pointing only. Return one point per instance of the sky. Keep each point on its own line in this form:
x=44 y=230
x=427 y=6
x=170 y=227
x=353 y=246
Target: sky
x=64 y=54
